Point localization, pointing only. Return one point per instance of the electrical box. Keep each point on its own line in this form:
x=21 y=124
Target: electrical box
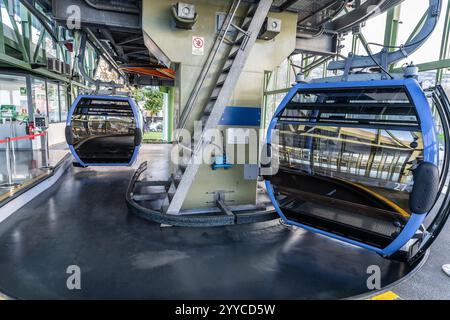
x=270 y=29
x=55 y=65
x=251 y=171
x=184 y=15
x=40 y=121
x=186 y=10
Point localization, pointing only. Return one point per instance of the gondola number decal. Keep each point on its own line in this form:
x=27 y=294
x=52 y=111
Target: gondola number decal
x=400 y=186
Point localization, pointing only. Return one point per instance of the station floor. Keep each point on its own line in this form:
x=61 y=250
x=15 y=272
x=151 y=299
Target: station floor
x=83 y=220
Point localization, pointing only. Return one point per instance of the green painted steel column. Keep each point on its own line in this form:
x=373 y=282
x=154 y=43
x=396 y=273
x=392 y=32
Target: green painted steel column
x=171 y=104
x=444 y=43
x=2 y=37
x=392 y=24
x=355 y=38
x=25 y=16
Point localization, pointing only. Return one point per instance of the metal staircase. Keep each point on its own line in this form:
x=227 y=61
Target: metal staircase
x=248 y=31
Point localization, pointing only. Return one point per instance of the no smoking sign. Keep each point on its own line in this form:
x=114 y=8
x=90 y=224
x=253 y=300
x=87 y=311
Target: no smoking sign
x=198 y=46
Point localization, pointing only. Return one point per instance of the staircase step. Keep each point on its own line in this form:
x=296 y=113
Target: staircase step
x=221 y=80
x=171 y=192
x=176 y=179
x=216 y=92
x=170 y=195
x=205 y=119
x=239 y=39
x=209 y=107
x=228 y=65
x=252 y=23
x=246 y=22
x=252 y=10
x=234 y=51
x=222 y=77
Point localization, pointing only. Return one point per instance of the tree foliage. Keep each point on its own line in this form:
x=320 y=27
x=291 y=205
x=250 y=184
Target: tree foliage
x=153 y=100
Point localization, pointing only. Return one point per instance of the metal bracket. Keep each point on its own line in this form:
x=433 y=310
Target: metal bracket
x=348 y=65
x=224 y=208
x=244 y=43
x=246 y=34
x=384 y=63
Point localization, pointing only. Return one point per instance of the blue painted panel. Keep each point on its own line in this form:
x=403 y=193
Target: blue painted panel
x=241 y=116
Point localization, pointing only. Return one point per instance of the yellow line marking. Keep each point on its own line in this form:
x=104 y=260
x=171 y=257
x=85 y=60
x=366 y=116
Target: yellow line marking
x=376 y=195
x=388 y=295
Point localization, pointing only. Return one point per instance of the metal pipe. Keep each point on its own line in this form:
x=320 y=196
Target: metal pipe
x=323 y=8
x=113 y=5
x=46 y=164
x=81 y=57
x=103 y=52
x=12 y=147
x=8 y=162
x=81 y=66
x=358 y=15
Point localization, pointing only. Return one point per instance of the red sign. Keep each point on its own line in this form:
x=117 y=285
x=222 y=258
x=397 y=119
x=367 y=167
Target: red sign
x=198 y=45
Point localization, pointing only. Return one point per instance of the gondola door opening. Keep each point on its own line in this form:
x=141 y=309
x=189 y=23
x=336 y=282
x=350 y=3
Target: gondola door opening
x=104 y=130
x=358 y=162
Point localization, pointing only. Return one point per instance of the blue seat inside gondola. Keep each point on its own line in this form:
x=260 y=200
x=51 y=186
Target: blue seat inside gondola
x=104 y=130
x=355 y=161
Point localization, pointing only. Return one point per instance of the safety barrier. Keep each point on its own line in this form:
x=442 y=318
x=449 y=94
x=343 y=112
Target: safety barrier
x=10 y=155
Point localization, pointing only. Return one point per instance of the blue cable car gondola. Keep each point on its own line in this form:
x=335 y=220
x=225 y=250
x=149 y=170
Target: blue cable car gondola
x=104 y=130
x=355 y=161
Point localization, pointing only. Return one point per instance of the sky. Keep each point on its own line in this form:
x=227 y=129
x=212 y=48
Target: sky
x=411 y=12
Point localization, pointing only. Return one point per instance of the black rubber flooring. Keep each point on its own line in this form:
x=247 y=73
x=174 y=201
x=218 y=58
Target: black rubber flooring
x=84 y=221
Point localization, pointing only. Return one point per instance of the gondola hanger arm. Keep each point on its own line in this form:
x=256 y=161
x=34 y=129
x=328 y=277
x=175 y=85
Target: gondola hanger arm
x=385 y=58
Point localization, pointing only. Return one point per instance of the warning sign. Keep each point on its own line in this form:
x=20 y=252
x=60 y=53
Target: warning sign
x=198 y=46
